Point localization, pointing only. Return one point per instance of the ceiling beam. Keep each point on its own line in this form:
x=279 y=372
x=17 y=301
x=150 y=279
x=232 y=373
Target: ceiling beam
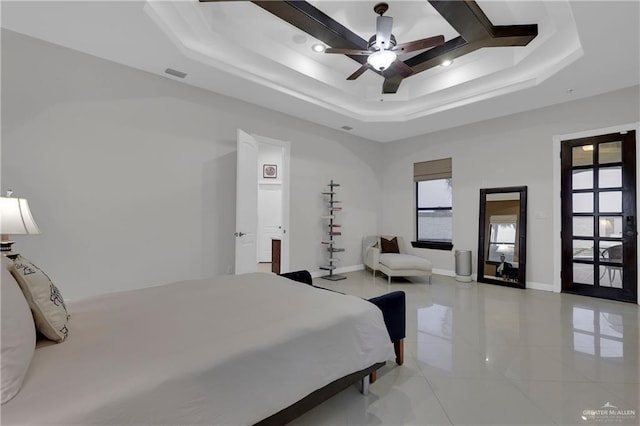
x=452 y=49
x=465 y=16
x=314 y=22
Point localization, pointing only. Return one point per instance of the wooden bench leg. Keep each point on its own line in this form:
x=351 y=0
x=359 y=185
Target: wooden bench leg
x=399 y=349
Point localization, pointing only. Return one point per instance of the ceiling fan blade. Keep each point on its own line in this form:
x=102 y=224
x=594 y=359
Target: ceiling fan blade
x=383 y=32
x=424 y=43
x=347 y=51
x=391 y=84
x=359 y=72
x=400 y=68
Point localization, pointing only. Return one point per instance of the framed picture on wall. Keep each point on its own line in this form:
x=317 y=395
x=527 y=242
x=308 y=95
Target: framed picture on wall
x=269 y=171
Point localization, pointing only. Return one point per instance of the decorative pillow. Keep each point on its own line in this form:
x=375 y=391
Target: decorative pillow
x=389 y=246
x=44 y=298
x=18 y=335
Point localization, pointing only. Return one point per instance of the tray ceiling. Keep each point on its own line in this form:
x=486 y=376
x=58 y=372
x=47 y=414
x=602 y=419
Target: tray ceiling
x=241 y=50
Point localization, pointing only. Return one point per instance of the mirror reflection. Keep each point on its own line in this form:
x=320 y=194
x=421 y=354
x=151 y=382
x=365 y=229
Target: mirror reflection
x=502 y=228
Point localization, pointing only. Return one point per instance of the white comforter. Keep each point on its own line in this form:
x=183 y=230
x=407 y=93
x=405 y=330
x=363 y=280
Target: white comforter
x=230 y=350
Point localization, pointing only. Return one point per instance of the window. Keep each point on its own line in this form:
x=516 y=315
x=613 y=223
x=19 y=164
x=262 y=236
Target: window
x=434 y=207
x=502 y=238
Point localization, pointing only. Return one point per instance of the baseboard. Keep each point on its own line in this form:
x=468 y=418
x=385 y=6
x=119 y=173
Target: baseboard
x=530 y=285
x=539 y=286
x=445 y=272
x=344 y=270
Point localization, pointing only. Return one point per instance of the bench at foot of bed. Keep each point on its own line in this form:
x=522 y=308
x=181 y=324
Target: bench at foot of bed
x=393 y=307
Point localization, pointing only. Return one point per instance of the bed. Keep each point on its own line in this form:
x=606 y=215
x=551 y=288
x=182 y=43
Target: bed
x=229 y=350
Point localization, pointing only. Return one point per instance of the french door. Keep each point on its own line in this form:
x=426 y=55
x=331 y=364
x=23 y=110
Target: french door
x=599 y=233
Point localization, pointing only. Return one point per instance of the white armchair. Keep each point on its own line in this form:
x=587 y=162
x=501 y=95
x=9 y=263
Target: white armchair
x=400 y=264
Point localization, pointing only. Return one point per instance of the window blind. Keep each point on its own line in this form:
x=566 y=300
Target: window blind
x=431 y=170
x=504 y=218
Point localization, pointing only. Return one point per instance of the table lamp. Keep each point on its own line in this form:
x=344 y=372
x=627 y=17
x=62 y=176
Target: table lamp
x=15 y=219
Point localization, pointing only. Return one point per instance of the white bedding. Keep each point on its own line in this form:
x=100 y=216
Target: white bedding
x=231 y=350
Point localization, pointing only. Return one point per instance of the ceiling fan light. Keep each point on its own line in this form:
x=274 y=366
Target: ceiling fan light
x=318 y=47
x=382 y=59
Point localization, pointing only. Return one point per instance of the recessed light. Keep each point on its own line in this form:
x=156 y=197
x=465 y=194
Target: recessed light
x=318 y=47
x=446 y=63
x=299 y=39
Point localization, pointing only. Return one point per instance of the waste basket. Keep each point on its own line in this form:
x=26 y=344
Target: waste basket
x=463 y=265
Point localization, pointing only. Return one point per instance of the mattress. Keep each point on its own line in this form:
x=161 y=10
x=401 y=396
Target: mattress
x=229 y=350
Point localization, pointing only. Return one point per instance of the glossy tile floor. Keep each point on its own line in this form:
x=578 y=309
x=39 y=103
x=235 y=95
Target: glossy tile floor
x=480 y=354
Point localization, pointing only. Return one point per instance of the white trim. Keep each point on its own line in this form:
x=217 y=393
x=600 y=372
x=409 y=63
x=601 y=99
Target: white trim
x=343 y=270
x=557 y=169
x=445 y=272
x=539 y=286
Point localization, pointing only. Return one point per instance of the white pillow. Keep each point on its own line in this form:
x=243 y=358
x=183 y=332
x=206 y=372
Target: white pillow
x=18 y=334
x=44 y=298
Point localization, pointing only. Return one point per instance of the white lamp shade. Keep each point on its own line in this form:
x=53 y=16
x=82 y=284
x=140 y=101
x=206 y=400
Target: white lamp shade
x=15 y=217
x=382 y=59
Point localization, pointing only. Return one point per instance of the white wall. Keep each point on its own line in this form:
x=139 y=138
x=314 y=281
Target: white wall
x=508 y=151
x=131 y=176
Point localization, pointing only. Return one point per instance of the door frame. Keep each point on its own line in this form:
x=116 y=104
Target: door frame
x=286 y=191
x=557 y=205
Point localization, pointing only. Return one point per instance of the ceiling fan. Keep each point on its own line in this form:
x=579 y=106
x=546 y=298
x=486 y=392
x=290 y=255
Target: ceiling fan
x=383 y=50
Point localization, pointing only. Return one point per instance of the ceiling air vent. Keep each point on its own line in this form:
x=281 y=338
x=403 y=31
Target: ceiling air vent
x=175 y=73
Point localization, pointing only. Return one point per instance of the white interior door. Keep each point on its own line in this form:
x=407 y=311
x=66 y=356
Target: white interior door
x=286 y=162
x=246 y=204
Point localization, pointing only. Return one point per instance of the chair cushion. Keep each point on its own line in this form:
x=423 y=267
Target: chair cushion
x=389 y=245
x=404 y=261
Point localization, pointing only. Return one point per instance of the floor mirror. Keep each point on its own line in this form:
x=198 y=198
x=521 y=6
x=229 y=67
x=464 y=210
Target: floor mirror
x=502 y=243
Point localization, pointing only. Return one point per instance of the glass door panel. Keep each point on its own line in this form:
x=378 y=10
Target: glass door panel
x=583 y=249
x=610 y=152
x=610 y=202
x=582 y=155
x=610 y=177
x=610 y=227
x=583 y=202
x=583 y=226
x=610 y=276
x=611 y=252
x=582 y=179
x=583 y=273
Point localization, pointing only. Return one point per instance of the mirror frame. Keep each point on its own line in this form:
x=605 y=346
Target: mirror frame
x=522 y=236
